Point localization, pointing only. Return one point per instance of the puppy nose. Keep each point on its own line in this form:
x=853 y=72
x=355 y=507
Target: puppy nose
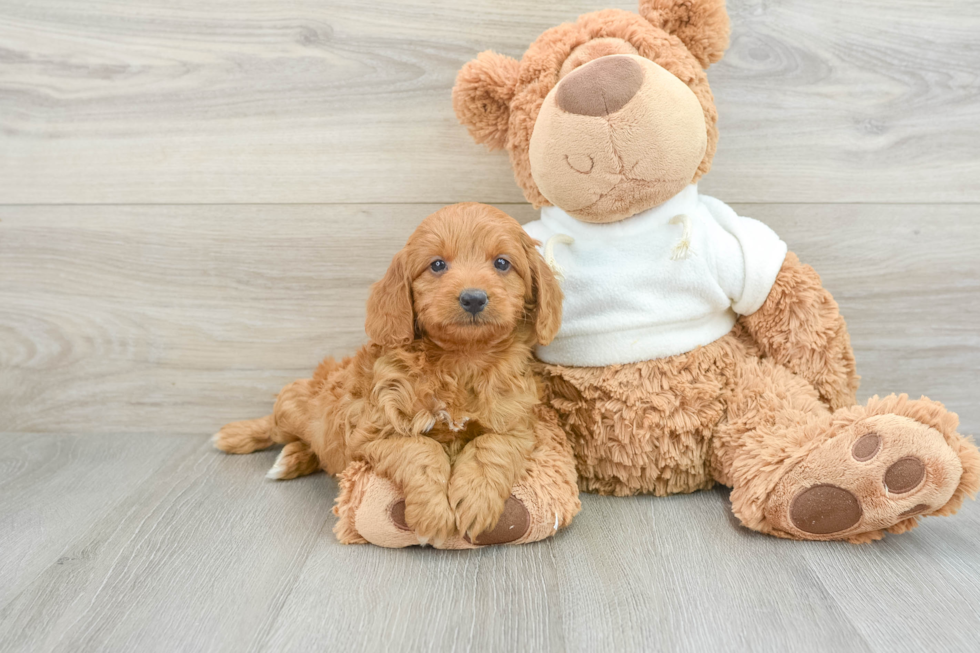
x=600 y=87
x=473 y=300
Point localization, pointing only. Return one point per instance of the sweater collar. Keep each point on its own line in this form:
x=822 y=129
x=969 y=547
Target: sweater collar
x=681 y=203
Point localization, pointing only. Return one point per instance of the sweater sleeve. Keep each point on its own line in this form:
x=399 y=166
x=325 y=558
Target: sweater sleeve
x=762 y=253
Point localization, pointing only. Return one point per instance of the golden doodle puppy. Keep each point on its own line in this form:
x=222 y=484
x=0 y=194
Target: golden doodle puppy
x=442 y=401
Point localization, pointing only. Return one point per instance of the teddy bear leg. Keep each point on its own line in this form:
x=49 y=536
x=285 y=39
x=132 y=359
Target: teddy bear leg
x=641 y=428
x=799 y=471
x=801 y=328
x=371 y=509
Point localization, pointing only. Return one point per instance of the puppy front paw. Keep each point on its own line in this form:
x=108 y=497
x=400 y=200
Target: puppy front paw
x=454 y=425
x=433 y=521
x=426 y=419
x=477 y=503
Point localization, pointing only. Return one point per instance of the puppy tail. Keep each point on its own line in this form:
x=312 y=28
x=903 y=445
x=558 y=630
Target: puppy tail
x=245 y=436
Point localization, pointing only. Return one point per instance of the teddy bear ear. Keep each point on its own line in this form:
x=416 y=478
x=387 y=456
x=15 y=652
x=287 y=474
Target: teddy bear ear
x=482 y=95
x=702 y=25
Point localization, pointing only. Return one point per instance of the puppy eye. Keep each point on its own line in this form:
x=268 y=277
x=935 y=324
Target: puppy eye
x=501 y=264
x=438 y=266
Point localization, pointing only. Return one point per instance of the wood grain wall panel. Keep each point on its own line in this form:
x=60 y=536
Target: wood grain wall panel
x=152 y=101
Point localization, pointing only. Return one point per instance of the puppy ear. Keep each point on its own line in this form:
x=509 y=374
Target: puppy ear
x=482 y=94
x=390 y=316
x=545 y=293
x=702 y=25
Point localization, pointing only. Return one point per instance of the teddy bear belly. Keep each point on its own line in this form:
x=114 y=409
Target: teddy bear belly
x=645 y=428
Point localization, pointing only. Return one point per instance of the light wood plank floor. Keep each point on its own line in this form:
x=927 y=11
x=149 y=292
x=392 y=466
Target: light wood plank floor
x=127 y=543
x=194 y=198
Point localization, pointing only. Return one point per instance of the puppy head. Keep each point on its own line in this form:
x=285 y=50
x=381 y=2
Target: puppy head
x=469 y=275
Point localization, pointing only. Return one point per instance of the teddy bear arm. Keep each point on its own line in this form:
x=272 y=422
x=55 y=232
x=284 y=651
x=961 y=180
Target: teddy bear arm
x=800 y=327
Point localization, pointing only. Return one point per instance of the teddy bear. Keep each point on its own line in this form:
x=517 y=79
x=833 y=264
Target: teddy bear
x=695 y=348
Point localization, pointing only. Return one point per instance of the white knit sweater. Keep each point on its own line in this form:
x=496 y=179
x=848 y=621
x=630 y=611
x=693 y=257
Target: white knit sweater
x=634 y=292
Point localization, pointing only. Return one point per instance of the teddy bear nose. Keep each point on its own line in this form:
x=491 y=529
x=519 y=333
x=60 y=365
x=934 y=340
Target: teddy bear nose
x=600 y=87
x=472 y=300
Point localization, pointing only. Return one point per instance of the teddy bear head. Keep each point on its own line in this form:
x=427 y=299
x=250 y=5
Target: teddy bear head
x=607 y=116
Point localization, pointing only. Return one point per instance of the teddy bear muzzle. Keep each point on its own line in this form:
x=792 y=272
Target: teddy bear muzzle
x=615 y=136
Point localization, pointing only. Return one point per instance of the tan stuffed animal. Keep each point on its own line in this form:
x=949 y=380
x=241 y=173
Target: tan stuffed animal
x=694 y=348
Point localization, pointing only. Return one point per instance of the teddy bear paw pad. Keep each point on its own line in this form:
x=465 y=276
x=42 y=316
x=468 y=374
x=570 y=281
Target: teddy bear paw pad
x=514 y=522
x=824 y=509
x=397 y=513
x=876 y=473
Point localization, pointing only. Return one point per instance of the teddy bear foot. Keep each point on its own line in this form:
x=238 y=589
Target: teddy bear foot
x=371 y=509
x=514 y=523
x=878 y=473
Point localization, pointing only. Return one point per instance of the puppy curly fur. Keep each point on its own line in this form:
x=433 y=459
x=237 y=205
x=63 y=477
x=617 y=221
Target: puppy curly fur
x=442 y=402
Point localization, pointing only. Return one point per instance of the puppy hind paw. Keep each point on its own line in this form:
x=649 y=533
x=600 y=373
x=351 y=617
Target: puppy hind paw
x=277 y=471
x=296 y=459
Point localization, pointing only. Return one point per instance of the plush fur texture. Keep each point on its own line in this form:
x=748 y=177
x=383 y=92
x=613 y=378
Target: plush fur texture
x=800 y=328
x=442 y=402
x=768 y=409
x=731 y=413
x=702 y=25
